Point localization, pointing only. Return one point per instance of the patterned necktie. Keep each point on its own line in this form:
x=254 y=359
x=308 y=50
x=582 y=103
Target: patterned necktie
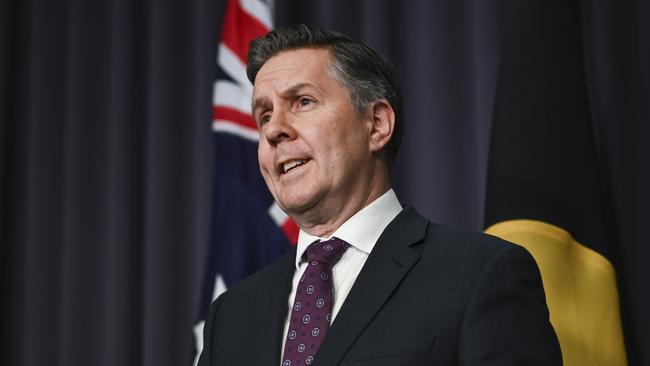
x=312 y=307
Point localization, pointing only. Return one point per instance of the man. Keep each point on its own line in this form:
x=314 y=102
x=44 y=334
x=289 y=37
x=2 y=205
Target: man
x=370 y=283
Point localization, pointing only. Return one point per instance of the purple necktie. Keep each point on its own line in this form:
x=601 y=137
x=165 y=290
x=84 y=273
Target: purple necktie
x=312 y=308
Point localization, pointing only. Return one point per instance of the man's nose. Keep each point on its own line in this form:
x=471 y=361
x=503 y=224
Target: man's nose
x=279 y=129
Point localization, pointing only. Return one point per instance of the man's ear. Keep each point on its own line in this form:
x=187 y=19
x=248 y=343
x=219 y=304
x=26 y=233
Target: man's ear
x=383 y=124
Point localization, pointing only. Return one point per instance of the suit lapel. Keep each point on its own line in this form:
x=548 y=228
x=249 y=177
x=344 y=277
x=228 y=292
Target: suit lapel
x=272 y=295
x=390 y=260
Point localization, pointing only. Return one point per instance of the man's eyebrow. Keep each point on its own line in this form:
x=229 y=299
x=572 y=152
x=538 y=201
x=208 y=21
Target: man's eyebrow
x=293 y=90
x=289 y=92
x=258 y=103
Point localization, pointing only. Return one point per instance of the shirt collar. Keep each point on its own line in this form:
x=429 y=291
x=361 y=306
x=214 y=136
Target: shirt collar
x=363 y=229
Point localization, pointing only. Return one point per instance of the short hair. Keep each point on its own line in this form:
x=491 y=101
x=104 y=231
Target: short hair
x=366 y=74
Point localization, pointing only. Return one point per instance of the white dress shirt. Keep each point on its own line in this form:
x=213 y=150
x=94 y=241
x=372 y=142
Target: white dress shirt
x=361 y=231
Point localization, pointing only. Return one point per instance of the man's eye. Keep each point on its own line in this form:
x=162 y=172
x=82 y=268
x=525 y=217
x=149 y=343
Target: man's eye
x=264 y=119
x=304 y=102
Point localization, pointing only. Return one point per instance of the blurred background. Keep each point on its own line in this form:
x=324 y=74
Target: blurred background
x=108 y=159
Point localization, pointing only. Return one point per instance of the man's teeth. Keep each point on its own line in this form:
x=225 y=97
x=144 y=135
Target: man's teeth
x=291 y=164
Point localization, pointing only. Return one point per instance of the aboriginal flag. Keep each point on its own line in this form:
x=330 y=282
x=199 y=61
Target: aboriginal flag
x=545 y=188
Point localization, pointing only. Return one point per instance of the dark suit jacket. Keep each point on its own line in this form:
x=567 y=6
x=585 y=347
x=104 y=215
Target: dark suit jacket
x=427 y=295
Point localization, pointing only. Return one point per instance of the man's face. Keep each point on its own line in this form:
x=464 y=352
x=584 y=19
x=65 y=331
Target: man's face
x=314 y=150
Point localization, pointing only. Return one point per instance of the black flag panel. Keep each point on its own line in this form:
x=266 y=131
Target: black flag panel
x=544 y=188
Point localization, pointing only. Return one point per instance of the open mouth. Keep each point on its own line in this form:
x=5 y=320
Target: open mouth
x=290 y=165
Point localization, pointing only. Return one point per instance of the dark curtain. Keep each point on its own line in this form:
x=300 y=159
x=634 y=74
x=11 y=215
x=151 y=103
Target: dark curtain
x=106 y=179
x=106 y=155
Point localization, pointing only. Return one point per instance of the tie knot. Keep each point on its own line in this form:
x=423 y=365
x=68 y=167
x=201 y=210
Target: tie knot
x=328 y=252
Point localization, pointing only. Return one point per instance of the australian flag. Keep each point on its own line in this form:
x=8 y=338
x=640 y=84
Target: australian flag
x=248 y=229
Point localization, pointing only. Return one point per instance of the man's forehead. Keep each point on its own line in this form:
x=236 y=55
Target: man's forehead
x=291 y=70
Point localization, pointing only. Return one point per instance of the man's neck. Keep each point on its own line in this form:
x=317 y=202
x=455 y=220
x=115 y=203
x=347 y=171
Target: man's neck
x=324 y=224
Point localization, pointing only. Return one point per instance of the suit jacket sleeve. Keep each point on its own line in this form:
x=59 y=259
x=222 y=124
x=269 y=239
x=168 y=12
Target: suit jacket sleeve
x=507 y=321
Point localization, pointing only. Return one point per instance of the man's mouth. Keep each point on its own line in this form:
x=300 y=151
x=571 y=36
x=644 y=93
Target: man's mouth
x=291 y=165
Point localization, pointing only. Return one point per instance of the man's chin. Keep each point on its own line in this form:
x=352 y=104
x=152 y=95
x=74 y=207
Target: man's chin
x=297 y=207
